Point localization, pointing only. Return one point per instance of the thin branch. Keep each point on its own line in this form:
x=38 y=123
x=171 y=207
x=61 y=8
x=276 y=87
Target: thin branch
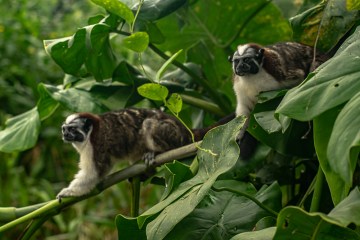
x=54 y=207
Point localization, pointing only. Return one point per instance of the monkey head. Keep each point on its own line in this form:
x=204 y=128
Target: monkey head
x=247 y=59
x=76 y=128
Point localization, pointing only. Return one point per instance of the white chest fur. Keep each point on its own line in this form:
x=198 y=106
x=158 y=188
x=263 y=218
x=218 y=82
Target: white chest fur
x=247 y=88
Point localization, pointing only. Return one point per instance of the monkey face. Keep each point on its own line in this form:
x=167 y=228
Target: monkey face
x=76 y=129
x=247 y=60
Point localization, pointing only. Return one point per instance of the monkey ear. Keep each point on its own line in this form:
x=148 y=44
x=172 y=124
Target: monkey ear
x=230 y=58
x=260 y=53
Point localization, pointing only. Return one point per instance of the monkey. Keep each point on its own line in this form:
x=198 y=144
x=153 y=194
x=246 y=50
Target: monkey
x=128 y=134
x=259 y=68
x=273 y=67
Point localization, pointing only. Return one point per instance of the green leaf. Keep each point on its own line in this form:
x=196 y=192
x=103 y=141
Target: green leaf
x=344 y=143
x=352 y=5
x=174 y=103
x=116 y=7
x=137 y=42
x=128 y=229
x=267 y=121
x=264 y=234
x=323 y=126
x=182 y=201
x=166 y=65
x=296 y=224
x=175 y=173
x=46 y=105
x=334 y=83
x=221 y=215
x=21 y=132
x=156 y=9
x=76 y=100
x=153 y=91
x=333 y=19
x=348 y=210
x=69 y=53
x=100 y=61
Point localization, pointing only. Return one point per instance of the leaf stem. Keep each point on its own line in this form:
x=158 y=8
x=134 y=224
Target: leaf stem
x=319 y=183
x=141 y=2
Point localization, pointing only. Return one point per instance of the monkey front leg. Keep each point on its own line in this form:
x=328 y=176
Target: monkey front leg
x=82 y=184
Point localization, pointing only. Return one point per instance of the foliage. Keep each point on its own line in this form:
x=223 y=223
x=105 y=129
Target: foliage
x=123 y=58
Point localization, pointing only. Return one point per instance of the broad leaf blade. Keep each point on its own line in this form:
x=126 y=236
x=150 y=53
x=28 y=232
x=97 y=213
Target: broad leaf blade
x=344 y=143
x=235 y=213
x=323 y=126
x=116 y=7
x=221 y=141
x=153 y=91
x=334 y=83
x=296 y=224
x=21 y=132
x=174 y=103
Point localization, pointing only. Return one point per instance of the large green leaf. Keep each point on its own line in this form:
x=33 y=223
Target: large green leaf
x=116 y=7
x=76 y=100
x=344 y=143
x=152 y=10
x=326 y=22
x=294 y=223
x=21 y=132
x=46 y=105
x=334 y=83
x=69 y=53
x=221 y=215
x=220 y=141
x=323 y=127
x=184 y=199
x=264 y=234
x=100 y=61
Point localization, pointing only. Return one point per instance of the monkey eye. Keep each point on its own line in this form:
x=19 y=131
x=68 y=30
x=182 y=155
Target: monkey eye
x=246 y=59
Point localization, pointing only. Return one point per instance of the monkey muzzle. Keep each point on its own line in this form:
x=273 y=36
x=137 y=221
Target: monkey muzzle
x=246 y=66
x=71 y=134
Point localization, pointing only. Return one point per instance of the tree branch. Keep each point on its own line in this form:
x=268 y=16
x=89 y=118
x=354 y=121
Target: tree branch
x=54 y=207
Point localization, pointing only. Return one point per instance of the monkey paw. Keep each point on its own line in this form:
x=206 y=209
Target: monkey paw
x=149 y=159
x=65 y=192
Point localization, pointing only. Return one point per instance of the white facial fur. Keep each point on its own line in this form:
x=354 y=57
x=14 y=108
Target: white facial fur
x=247 y=88
x=71 y=118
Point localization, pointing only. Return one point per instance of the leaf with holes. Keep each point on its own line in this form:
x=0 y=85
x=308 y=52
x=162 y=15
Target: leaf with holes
x=174 y=103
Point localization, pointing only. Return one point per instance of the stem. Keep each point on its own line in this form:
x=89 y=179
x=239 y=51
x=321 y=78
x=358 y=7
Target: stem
x=214 y=94
x=136 y=15
x=319 y=183
x=257 y=202
x=203 y=104
x=135 y=196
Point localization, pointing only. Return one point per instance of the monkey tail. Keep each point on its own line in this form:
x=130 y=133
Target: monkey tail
x=200 y=133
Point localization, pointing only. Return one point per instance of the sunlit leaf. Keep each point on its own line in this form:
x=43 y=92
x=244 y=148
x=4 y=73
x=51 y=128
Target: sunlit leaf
x=137 y=42
x=116 y=7
x=21 y=132
x=174 y=103
x=352 y=5
x=153 y=91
